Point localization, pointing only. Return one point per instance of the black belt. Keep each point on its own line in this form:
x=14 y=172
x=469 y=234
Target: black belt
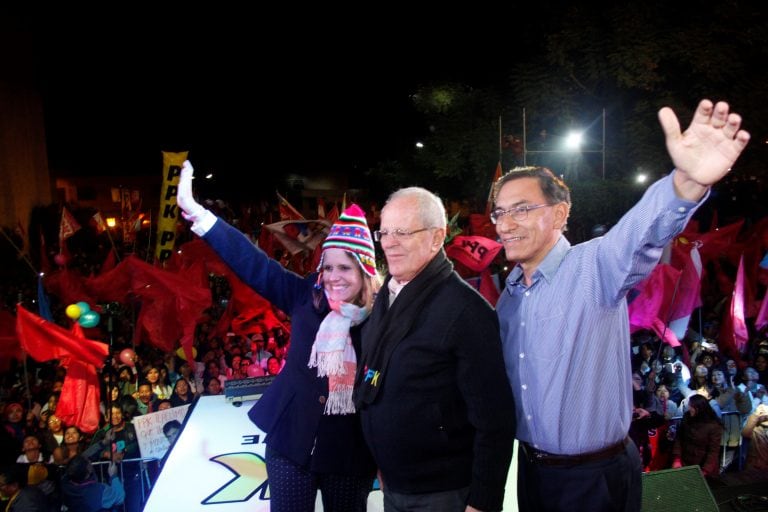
x=552 y=459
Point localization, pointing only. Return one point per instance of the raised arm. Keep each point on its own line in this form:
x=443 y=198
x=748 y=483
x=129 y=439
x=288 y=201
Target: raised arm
x=705 y=152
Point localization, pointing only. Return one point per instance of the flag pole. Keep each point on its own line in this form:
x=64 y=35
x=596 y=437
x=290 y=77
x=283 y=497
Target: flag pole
x=19 y=251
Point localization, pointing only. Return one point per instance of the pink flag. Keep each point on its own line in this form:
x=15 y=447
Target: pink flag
x=740 y=333
x=688 y=296
x=762 y=317
x=649 y=309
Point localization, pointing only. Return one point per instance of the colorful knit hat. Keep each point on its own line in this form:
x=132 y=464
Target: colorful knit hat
x=351 y=233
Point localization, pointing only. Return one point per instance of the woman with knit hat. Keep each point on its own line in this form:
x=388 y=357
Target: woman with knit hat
x=314 y=440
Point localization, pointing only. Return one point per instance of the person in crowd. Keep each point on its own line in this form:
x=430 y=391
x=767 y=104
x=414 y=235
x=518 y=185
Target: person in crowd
x=14 y=424
x=73 y=445
x=761 y=366
x=273 y=366
x=212 y=386
x=565 y=357
x=81 y=490
x=186 y=372
x=698 y=438
x=126 y=380
x=646 y=415
x=314 y=440
x=161 y=387
x=756 y=431
x=700 y=383
x=53 y=436
x=18 y=497
x=146 y=400
x=181 y=393
x=116 y=441
x=33 y=452
x=436 y=408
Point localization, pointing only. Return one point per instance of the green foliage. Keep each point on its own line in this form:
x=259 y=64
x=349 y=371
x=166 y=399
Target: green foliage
x=629 y=59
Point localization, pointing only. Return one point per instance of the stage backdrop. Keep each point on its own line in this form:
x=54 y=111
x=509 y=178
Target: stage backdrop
x=217 y=464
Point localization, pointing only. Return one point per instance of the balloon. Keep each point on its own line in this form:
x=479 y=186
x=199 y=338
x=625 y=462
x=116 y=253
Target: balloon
x=84 y=307
x=60 y=260
x=89 y=319
x=128 y=357
x=183 y=356
x=73 y=311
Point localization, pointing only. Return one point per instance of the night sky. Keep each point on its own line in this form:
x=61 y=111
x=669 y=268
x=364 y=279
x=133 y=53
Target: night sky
x=310 y=100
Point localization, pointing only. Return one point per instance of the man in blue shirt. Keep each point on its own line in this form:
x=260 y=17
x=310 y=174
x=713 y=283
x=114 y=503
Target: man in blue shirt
x=564 y=323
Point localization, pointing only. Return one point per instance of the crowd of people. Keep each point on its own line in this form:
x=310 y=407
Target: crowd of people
x=416 y=380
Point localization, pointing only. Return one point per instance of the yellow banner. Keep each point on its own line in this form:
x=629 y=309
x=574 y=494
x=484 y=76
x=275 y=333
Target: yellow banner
x=169 y=212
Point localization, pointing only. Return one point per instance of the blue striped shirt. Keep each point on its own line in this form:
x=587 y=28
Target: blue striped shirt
x=566 y=337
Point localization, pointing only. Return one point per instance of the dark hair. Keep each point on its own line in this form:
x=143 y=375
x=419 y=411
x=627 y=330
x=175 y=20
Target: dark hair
x=171 y=424
x=704 y=412
x=78 y=469
x=554 y=189
x=12 y=474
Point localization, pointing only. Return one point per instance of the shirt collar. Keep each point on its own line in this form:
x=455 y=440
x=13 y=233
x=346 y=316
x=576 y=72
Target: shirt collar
x=548 y=266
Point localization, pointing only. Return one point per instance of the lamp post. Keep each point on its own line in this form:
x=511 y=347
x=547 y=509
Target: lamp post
x=572 y=143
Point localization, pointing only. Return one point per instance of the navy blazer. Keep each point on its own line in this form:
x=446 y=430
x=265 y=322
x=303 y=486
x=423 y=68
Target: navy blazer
x=291 y=409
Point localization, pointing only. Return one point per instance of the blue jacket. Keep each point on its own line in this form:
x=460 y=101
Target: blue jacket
x=291 y=409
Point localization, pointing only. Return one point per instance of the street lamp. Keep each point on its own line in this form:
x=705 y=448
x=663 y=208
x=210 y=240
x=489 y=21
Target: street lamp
x=572 y=143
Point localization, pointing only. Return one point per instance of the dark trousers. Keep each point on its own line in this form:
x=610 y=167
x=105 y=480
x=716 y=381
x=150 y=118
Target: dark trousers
x=294 y=489
x=611 y=485
x=446 y=501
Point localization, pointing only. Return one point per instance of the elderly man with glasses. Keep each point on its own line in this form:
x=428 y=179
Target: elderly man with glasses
x=564 y=322
x=435 y=405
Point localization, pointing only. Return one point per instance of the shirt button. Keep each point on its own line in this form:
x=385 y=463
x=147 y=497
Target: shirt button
x=529 y=417
x=522 y=324
x=527 y=293
x=524 y=386
x=682 y=209
x=321 y=399
x=522 y=355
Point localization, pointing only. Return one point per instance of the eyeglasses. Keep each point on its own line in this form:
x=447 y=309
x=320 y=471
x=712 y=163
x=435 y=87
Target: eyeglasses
x=398 y=234
x=517 y=213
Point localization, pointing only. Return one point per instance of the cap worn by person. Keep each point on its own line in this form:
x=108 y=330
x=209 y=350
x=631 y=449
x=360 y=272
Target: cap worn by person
x=351 y=234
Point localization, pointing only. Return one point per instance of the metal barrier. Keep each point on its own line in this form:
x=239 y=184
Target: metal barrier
x=731 y=436
x=145 y=471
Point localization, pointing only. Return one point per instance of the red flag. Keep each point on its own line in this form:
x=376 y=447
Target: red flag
x=299 y=235
x=762 y=317
x=109 y=262
x=496 y=176
x=9 y=342
x=475 y=252
x=45 y=340
x=287 y=211
x=488 y=288
x=68 y=225
x=320 y=208
x=333 y=215
x=79 y=400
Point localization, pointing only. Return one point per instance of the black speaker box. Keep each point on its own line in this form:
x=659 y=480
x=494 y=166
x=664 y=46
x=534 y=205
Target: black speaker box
x=676 y=490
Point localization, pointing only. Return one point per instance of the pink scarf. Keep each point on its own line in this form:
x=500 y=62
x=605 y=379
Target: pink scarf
x=334 y=356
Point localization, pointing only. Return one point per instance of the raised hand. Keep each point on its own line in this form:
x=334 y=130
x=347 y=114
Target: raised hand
x=190 y=209
x=709 y=147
